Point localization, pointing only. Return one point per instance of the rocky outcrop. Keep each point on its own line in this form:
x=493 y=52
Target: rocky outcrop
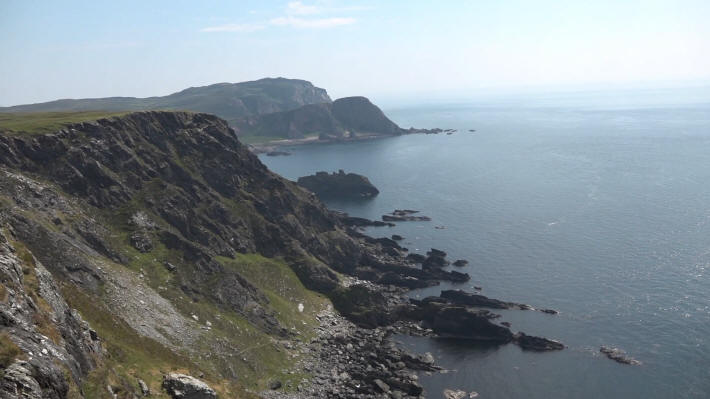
x=182 y=386
x=339 y=185
x=358 y=114
x=539 y=344
x=405 y=215
x=619 y=356
x=345 y=118
x=459 y=322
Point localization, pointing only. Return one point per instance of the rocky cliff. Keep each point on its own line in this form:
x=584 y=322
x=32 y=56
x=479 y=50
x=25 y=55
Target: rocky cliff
x=154 y=244
x=343 y=118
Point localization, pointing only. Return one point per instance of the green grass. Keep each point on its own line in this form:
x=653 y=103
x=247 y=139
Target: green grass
x=46 y=122
x=8 y=351
x=259 y=358
x=283 y=289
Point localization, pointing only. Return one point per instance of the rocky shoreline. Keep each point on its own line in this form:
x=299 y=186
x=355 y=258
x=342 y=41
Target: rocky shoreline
x=354 y=353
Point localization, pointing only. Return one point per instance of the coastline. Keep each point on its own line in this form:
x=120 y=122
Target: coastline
x=268 y=146
x=272 y=145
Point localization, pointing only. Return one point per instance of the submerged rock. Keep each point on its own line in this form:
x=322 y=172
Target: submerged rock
x=277 y=153
x=405 y=218
x=454 y=394
x=618 y=356
x=460 y=263
x=339 y=185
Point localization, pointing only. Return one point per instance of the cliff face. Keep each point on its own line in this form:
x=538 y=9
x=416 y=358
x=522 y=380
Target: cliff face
x=342 y=118
x=47 y=348
x=226 y=100
x=168 y=236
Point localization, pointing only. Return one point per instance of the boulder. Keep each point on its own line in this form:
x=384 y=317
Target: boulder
x=436 y=252
x=434 y=262
x=454 y=394
x=182 y=386
x=460 y=263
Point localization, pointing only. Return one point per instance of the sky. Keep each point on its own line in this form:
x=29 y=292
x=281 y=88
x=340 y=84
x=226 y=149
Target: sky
x=77 y=49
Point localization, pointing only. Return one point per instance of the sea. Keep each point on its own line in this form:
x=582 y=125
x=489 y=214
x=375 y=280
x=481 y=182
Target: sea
x=593 y=203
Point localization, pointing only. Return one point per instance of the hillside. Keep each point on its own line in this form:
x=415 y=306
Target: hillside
x=343 y=118
x=138 y=248
x=226 y=100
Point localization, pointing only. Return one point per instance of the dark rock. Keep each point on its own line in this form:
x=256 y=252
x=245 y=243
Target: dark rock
x=460 y=263
x=397 y=237
x=436 y=252
x=274 y=385
x=171 y=268
x=141 y=241
x=362 y=222
x=549 y=311
x=416 y=258
x=618 y=356
x=384 y=388
x=460 y=297
x=459 y=322
x=339 y=185
x=363 y=306
x=435 y=262
x=181 y=386
x=405 y=218
x=529 y=342
x=404 y=212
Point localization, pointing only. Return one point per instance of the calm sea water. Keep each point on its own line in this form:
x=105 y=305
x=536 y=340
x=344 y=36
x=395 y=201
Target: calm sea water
x=597 y=205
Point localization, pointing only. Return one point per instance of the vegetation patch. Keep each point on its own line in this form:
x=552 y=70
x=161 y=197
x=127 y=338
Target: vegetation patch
x=42 y=317
x=8 y=351
x=47 y=122
x=131 y=356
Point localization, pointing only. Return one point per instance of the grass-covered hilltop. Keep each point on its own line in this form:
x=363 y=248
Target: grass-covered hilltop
x=151 y=253
x=260 y=111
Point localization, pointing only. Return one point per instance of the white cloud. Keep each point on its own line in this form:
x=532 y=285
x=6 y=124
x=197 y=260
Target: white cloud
x=312 y=23
x=298 y=8
x=234 y=28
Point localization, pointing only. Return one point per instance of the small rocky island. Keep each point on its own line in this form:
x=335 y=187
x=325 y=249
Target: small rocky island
x=339 y=185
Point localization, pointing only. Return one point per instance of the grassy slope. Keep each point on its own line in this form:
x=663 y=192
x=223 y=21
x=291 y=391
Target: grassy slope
x=261 y=357
x=46 y=122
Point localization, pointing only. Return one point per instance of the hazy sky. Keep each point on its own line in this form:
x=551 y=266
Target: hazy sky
x=73 y=49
